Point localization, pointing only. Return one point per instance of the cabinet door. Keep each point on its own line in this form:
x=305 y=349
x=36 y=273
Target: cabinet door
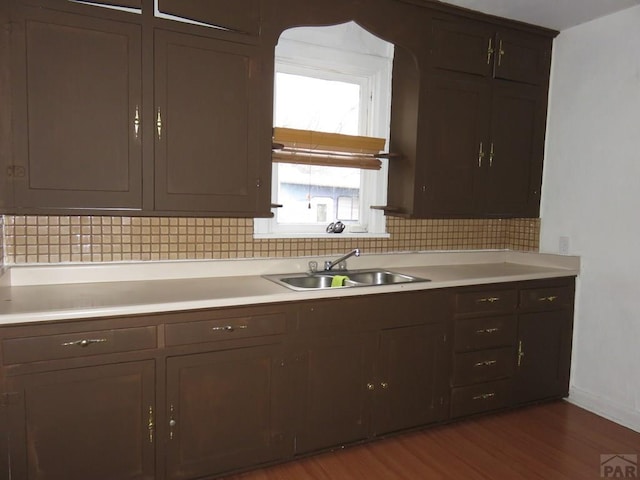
x=224 y=411
x=335 y=395
x=412 y=380
x=6 y=184
x=516 y=151
x=462 y=46
x=240 y=15
x=544 y=355
x=76 y=86
x=521 y=57
x=5 y=473
x=88 y=423
x=458 y=146
x=207 y=153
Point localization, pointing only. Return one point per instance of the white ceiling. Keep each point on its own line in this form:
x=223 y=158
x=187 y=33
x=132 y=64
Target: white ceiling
x=555 y=14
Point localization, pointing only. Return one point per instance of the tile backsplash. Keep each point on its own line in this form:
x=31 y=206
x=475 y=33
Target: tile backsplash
x=58 y=239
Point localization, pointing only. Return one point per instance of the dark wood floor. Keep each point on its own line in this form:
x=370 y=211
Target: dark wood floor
x=554 y=441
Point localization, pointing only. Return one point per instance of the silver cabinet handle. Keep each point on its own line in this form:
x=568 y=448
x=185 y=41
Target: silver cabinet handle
x=490 y=51
x=159 y=124
x=136 y=123
x=484 y=396
x=172 y=422
x=487 y=330
x=550 y=298
x=488 y=299
x=501 y=52
x=151 y=424
x=229 y=328
x=486 y=363
x=84 y=342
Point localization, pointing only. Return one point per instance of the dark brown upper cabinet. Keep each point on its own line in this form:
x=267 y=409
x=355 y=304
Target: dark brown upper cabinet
x=206 y=154
x=486 y=50
x=470 y=121
x=513 y=162
x=77 y=99
x=124 y=112
x=112 y=114
x=241 y=16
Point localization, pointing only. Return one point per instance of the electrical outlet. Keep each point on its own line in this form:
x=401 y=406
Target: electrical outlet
x=563 y=246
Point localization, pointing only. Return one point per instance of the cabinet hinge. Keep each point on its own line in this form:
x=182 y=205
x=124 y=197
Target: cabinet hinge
x=15 y=171
x=444 y=338
x=8 y=398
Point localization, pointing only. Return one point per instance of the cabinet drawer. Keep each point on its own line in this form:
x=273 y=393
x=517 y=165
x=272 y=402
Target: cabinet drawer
x=482 y=333
x=487 y=301
x=70 y=345
x=480 y=398
x=229 y=328
x=545 y=298
x=482 y=366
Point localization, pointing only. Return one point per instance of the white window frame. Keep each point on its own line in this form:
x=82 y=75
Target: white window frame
x=373 y=73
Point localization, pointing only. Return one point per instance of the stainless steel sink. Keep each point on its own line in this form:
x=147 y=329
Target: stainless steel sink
x=355 y=278
x=307 y=282
x=381 y=277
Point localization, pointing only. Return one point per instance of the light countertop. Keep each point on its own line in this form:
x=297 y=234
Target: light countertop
x=45 y=293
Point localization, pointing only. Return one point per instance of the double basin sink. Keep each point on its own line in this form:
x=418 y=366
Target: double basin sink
x=342 y=279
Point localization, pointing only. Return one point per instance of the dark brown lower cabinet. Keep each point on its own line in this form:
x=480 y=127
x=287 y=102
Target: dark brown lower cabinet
x=544 y=355
x=411 y=380
x=360 y=384
x=334 y=396
x=224 y=410
x=512 y=344
x=85 y=423
x=191 y=395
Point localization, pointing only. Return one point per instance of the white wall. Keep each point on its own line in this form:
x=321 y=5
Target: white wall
x=591 y=193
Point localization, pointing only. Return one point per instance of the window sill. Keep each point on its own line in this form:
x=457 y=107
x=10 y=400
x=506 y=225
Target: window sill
x=326 y=236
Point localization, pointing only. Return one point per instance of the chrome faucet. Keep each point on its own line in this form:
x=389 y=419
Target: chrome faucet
x=328 y=264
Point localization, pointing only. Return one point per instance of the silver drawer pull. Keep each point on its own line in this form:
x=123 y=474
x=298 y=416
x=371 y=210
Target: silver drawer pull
x=486 y=363
x=488 y=299
x=484 y=396
x=487 y=330
x=229 y=328
x=550 y=298
x=84 y=342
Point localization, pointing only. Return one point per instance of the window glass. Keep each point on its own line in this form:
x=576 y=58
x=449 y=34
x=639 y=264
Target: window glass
x=309 y=194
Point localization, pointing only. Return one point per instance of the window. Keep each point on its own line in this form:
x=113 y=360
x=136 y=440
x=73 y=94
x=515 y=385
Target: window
x=324 y=88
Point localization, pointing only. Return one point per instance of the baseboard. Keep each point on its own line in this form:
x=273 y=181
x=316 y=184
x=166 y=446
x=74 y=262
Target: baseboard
x=605 y=408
